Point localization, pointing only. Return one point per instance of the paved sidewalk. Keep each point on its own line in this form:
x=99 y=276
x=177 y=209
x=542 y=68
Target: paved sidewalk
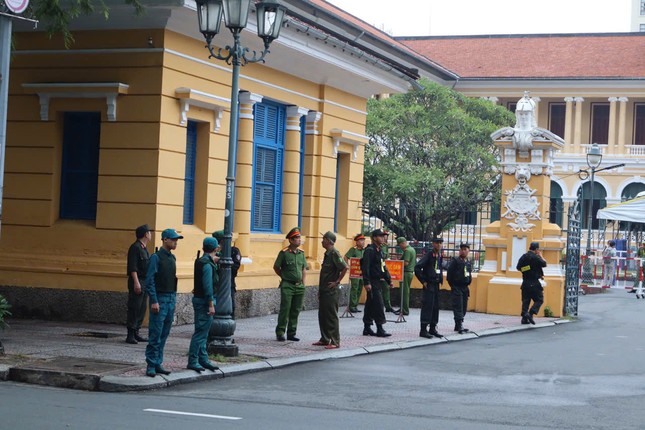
x=95 y=357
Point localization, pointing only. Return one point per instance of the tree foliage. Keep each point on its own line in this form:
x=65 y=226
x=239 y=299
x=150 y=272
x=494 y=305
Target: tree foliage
x=56 y=15
x=430 y=158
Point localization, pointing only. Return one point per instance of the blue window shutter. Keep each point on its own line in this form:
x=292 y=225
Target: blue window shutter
x=269 y=131
x=80 y=165
x=336 y=194
x=189 y=175
x=303 y=125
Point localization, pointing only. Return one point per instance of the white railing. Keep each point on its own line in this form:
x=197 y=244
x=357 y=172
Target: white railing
x=636 y=150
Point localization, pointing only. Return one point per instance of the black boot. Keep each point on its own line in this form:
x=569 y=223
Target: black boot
x=529 y=317
x=380 y=332
x=424 y=332
x=367 y=331
x=525 y=320
x=433 y=331
x=462 y=329
x=458 y=326
x=138 y=337
x=130 y=339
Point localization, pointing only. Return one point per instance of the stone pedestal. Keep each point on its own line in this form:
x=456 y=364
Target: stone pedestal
x=527 y=164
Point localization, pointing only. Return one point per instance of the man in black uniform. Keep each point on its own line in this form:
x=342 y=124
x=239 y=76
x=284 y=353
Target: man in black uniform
x=375 y=275
x=429 y=271
x=459 y=276
x=531 y=264
x=236 y=256
x=138 y=258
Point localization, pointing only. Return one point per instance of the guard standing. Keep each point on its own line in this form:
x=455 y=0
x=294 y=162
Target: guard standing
x=356 y=284
x=161 y=285
x=291 y=267
x=531 y=264
x=375 y=277
x=138 y=258
x=459 y=277
x=332 y=272
x=206 y=280
x=429 y=271
x=409 y=258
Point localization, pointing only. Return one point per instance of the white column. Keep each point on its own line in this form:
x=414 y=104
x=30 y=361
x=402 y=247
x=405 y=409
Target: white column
x=536 y=111
x=577 y=130
x=621 y=147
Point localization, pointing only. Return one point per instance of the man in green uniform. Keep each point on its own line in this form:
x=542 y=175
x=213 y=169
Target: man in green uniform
x=332 y=272
x=385 y=292
x=356 y=284
x=291 y=267
x=205 y=281
x=409 y=258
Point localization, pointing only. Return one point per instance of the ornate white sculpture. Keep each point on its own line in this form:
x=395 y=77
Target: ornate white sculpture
x=521 y=205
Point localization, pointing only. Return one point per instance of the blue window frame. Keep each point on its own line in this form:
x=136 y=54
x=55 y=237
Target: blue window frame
x=336 y=194
x=268 y=142
x=80 y=165
x=301 y=185
x=189 y=175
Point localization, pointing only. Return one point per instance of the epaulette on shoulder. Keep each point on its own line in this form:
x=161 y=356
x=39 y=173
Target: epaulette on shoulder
x=285 y=249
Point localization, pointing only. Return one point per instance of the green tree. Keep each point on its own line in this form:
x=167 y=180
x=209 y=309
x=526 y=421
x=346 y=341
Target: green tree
x=430 y=158
x=56 y=15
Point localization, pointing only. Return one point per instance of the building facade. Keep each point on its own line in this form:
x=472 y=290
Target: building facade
x=130 y=126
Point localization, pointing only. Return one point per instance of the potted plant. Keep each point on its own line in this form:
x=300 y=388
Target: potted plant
x=4 y=312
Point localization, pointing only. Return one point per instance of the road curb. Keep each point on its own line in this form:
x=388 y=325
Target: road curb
x=112 y=383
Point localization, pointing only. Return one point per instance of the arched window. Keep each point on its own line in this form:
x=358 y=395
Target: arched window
x=556 y=207
x=632 y=190
x=599 y=202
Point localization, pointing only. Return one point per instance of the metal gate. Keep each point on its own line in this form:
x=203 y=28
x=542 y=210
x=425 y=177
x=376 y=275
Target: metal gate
x=572 y=266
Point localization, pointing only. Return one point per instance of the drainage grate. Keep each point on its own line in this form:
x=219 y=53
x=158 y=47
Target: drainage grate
x=96 y=334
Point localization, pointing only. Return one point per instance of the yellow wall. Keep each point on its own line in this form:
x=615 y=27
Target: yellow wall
x=142 y=160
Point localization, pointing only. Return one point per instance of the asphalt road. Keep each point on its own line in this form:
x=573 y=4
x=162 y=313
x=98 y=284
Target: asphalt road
x=584 y=375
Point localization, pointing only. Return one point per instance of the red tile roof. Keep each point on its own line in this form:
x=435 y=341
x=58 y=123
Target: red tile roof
x=611 y=55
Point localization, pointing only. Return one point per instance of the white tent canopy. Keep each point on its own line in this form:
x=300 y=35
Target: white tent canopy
x=631 y=210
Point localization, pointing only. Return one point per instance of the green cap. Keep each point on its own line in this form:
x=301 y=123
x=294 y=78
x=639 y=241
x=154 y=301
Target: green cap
x=293 y=232
x=401 y=240
x=170 y=233
x=330 y=237
x=210 y=244
x=219 y=235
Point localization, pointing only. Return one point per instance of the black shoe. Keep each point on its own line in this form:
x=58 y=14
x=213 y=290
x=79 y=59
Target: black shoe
x=530 y=318
x=382 y=333
x=151 y=372
x=355 y=311
x=293 y=338
x=525 y=320
x=458 y=327
x=209 y=366
x=389 y=310
x=160 y=370
x=139 y=338
x=197 y=368
x=424 y=333
x=433 y=331
x=397 y=312
x=280 y=338
x=367 y=331
x=131 y=340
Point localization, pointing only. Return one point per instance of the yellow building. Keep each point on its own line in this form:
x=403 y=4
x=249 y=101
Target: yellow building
x=587 y=88
x=130 y=126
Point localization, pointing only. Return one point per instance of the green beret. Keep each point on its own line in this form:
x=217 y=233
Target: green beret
x=219 y=235
x=401 y=239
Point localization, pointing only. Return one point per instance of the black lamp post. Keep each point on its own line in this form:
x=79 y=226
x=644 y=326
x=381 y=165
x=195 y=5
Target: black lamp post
x=594 y=158
x=270 y=15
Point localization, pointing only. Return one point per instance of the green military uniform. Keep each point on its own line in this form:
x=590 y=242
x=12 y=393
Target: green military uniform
x=332 y=266
x=385 y=290
x=409 y=258
x=356 y=285
x=292 y=291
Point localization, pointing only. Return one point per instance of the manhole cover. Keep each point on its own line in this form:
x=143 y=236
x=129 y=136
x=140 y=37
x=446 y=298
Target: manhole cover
x=96 y=334
x=79 y=365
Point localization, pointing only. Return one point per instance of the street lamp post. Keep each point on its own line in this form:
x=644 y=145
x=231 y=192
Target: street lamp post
x=270 y=15
x=594 y=158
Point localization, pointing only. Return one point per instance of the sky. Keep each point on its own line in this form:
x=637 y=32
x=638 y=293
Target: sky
x=469 y=17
